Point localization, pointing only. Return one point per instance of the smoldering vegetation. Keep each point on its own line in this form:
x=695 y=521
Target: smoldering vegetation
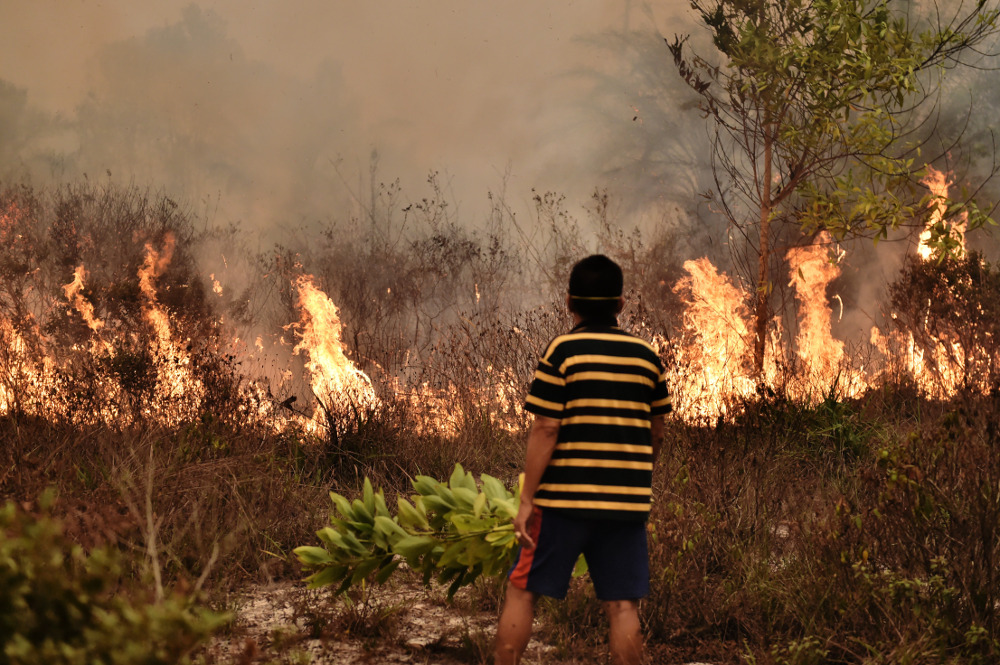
x=832 y=526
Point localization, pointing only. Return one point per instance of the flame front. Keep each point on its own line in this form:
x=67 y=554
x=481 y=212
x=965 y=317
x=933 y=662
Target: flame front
x=939 y=367
x=711 y=362
x=821 y=356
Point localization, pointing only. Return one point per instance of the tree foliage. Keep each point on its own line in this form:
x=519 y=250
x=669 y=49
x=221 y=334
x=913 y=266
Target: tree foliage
x=820 y=109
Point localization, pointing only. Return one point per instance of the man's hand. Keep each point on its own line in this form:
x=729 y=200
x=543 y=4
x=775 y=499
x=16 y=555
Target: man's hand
x=523 y=523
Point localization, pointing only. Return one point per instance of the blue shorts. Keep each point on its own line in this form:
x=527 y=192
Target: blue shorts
x=616 y=553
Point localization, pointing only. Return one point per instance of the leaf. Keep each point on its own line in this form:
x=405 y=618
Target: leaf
x=368 y=497
x=386 y=571
x=410 y=516
x=493 y=488
x=464 y=497
x=331 y=537
x=412 y=547
x=343 y=506
x=449 y=559
x=364 y=569
x=380 y=507
x=312 y=556
x=362 y=512
x=437 y=504
x=478 y=505
x=390 y=528
x=328 y=576
x=499 y=538
x=425 y=485
x=466 y=523
x=505 y=510
x=353 y=544
x=458 y=477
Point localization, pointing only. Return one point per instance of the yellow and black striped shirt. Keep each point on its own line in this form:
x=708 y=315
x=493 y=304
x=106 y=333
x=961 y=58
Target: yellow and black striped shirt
x=603 y=385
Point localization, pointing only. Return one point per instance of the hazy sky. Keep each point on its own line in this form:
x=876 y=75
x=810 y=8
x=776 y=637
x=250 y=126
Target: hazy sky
x=266 y=108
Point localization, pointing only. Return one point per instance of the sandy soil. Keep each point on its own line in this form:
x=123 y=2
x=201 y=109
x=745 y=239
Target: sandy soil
x=403 y=623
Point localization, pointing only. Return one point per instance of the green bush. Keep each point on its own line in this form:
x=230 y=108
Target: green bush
x=59 y=604
x=453 y=531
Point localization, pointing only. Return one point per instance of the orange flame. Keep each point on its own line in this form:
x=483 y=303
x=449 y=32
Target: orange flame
x=813 y=269
x=715 y=348
x=336 y=382
x=938 y=183
x=179 y=391
x=937 y=370
x=74 y=294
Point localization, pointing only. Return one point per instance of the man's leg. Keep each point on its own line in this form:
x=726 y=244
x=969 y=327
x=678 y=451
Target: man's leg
x=625 y=634
x=514 y=629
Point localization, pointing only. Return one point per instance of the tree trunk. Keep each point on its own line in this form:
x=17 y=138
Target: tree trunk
x=761 y=309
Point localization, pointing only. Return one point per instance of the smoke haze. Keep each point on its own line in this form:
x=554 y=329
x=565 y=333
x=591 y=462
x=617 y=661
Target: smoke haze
x=274 y=116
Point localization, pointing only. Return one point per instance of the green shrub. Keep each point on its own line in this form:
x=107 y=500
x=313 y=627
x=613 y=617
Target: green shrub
x=59 y=604
x=454 y=531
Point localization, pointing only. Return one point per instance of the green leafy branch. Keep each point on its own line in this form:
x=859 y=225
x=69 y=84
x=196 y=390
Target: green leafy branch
x=453 y=532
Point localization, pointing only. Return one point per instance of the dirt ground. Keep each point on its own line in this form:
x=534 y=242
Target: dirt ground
x=402 y=622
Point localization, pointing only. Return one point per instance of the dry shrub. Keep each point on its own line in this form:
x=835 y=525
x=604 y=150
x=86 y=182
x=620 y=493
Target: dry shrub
x=823 y=535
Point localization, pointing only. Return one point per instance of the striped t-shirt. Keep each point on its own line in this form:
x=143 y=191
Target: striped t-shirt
x=603 y=385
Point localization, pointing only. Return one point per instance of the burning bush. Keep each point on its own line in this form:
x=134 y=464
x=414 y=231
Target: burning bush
x=948 y=315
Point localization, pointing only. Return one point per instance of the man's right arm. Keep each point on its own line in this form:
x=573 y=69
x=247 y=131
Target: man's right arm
x=541 y=442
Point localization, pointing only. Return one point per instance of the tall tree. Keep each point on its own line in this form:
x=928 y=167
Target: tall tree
x=817 y=110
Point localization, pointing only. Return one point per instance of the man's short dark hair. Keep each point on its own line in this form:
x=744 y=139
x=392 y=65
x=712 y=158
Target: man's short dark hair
x=595 y=285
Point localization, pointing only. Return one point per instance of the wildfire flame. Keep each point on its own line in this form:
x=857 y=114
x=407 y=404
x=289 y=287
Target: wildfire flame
x=336 y=382
x=938 y=183
x=711 y=369
x=74 y=294
x=938 y=371
x=175 y=379
x=715 y=352
x=821 y=355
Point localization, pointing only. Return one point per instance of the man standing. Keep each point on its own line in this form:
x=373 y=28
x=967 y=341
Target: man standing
x=599 y=398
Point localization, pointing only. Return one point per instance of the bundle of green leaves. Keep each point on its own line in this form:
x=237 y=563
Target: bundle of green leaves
x=60 y=605
x=453 y=532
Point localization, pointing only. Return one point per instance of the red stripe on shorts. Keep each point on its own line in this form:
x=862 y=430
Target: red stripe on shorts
x=525 y=557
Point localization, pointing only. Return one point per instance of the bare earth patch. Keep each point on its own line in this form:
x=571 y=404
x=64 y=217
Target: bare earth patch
x=402 y=622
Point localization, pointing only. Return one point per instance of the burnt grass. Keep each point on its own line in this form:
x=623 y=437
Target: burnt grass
x=859 y=530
